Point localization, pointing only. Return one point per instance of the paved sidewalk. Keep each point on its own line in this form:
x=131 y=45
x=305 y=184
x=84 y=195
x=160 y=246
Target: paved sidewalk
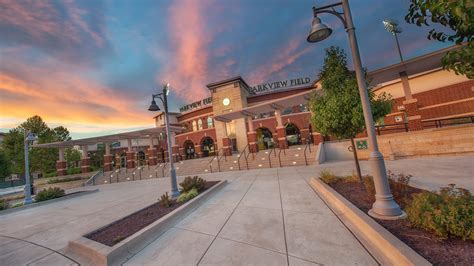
x=264 y=217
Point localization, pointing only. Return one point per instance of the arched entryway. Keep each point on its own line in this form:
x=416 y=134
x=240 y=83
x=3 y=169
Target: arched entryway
x=141 y=158
x=293 y=135
x=189 y=151
x=123 y=160
x=207 y=145
x=264 y=138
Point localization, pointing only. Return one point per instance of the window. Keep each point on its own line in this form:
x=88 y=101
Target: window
x=303 y=108
x=200 y=124
x=210 y=123
x=287 y=111
x=194 y=126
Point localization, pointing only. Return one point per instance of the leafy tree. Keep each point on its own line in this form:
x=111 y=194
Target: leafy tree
x=458 y=16
x=5 y=165
x=41 y=159
x=72 y=155
x=337 y=110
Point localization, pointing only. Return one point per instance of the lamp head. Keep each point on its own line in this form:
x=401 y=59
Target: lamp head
x=319 y=31
x=153 y=106
x=392 y=26
x=166 y=87
x=31 y=138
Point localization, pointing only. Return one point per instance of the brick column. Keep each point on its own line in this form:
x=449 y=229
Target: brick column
x=152 y=156
x=130 y=159
x=118 y=162
x=252 y=139
x=226 y=146
x=317 y=138
x=61 y=165
x=85 y=160
x=413 y=114
x=175 y=150
x=281 y=133
x=108 y=158
x=198 y=150
x=304 y=134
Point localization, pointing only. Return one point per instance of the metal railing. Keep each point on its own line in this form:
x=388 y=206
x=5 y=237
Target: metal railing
x=401 y=127
x=279 y=156
x=270 y=154
x=93 y=177
x=308 y=145
x=215 y=158
x=240 y=156
x=439 y=123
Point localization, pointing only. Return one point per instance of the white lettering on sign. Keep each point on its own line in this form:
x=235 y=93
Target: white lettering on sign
x=196 y=105
x=265 y=87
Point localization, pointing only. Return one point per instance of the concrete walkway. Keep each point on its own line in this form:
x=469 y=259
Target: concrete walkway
x=266 y=216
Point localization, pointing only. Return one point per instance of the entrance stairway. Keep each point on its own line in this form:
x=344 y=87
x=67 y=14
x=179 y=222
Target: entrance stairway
x=271 y=158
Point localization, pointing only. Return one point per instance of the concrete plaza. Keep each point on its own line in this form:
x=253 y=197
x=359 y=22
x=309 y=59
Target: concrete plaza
x=267 y=216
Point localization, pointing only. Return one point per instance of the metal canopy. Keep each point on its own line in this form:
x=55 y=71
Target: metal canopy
x=143 y=133
x=268 y=106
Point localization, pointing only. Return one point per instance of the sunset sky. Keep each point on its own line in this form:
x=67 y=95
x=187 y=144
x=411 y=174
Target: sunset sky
x=92 y=65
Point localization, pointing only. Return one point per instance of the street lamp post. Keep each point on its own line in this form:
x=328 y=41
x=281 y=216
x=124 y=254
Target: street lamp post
x=29 y=138
x=392 y=27
x=384 y=206
x=154 y=107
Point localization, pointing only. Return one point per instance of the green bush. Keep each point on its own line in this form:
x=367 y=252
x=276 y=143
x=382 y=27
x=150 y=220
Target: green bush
x=328 y=177
x=451 y=213
x=49 y=193
x=185 y=196
x=165 y=200
x=3 y=204
x=62 y=180
x=193 y=182
x=73 y=171
x=51 y=174
x=369 y=186
x=398 y=186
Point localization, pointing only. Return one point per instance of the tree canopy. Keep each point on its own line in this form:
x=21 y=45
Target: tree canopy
x=337 y=109
x=458 y=17
x=41 y=159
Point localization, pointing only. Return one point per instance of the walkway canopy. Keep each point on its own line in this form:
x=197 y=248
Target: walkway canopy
x=268 y=106
x=144 y=133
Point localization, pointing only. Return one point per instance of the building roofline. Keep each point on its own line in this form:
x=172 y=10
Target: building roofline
x=213 y=85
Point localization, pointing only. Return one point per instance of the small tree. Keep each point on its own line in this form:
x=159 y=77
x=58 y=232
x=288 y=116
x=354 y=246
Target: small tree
x=337 y=110
x=458 y=16
x=72 y=156
x=5 y=166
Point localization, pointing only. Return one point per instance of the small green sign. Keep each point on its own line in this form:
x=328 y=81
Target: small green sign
x=361 y=144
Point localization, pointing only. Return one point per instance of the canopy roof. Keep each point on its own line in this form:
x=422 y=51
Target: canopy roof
x=143 y=133
x=268 y=106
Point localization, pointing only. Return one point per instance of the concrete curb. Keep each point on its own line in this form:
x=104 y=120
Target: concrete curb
x=385 y=247
x=41 y=203
x=96 y=253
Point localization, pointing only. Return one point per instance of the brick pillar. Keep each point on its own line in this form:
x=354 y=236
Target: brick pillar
x=304 y=134
x=61 y=168
x=317 y=138
x=252 y=139
x=152 y=158
x=413 y=115
x=108 y=158
x=130 y=159
x=85 y=165
x=182 y=152
x=117 y=160
x=281 y=133
x=226 y=146
x=175 y=150
x=198 y=150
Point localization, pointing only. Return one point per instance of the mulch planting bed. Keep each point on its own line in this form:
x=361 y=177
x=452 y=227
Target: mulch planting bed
x=127 y=226
x=435 y=250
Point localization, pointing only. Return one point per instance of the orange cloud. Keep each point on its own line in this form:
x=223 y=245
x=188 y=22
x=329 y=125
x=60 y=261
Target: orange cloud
x=187 y=72
x=285 y=56
x=62 y=97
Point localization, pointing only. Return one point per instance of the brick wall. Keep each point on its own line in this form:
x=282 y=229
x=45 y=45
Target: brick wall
x=437 y=141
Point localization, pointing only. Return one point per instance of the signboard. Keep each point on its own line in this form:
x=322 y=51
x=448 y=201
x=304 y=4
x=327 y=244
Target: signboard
x=362 y=144
x=266 y=87
x=195 y=105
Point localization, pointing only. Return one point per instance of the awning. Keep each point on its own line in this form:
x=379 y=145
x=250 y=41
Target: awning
x=268 y=106
x=143 y=133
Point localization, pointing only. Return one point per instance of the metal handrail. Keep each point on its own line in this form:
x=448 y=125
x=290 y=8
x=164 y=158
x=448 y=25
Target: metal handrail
x=270 y=160
x=305 y=148
x=163 y=169
x=279 y=156
x=438 y=123
x=93 y=178
x=240 y=155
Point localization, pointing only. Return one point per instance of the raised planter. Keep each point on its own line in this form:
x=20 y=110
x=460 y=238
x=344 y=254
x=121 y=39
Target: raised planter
x=383 y=245
x=96 y=253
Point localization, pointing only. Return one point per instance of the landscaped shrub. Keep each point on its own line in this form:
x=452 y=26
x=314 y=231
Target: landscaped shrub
x=185 y=196
x=450 y=213
x=51 y=174
x=3 y=204
x=165 y=200
x=62 y=180
x=73 y=171
x=328 y=177
x=369 y=186
x=193 y=182
x=399 y=187
x=49 y=193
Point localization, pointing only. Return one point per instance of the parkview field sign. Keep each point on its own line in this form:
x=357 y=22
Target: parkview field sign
x=265 y=87
x=195 y=105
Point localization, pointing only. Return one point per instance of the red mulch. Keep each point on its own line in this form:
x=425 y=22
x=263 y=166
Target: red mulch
x=435 y=250
x=129 y=225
